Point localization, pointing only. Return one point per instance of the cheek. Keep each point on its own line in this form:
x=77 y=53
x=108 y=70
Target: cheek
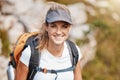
x=68 y=31
x=48 y=30
x=50 y=33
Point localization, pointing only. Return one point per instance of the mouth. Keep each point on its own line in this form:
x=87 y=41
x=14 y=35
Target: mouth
x=58 y=38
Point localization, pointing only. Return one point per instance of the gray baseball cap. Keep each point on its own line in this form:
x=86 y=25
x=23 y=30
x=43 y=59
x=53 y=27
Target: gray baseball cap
x=58 y=15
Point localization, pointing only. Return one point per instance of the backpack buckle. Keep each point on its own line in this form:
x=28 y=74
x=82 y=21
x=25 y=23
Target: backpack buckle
x=44 y=70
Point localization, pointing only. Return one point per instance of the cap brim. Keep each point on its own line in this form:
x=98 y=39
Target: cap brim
x=51 y=20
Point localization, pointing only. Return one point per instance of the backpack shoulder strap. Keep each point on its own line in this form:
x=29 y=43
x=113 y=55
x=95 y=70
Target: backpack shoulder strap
x=20 y=44
x=34 y=59
x=73 y=52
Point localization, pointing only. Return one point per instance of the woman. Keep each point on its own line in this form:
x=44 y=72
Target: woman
x=53 y=47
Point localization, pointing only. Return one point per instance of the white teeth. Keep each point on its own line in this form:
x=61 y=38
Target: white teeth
x=58 y=37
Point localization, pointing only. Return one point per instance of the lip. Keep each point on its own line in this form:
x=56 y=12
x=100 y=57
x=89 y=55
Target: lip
x=58 y=38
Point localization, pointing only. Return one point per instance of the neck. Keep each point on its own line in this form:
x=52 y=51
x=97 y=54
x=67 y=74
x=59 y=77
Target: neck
x=55 y=50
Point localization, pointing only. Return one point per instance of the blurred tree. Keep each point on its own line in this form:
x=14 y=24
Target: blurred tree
x=5 y=42
x=106 y=65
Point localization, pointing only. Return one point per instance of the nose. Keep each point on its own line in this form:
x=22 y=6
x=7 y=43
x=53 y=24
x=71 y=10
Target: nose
x=58 y=31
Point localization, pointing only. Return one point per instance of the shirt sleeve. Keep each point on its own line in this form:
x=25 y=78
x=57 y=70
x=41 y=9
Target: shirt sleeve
x=25 y=57
x=79 y=53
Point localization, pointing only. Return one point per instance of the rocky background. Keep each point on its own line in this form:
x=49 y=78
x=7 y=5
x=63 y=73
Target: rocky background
x=96 y=32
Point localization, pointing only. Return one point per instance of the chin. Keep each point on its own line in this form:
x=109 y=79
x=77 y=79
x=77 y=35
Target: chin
x=58 y=42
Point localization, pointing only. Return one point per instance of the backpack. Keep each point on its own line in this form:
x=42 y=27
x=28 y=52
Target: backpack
x=30 y=39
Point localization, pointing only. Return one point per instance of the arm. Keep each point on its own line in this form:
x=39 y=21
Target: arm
x=23 y=65
x=21 y=71
x=77 y=72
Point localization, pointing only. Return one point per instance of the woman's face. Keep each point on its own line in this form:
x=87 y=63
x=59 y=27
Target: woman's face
x=58 y=32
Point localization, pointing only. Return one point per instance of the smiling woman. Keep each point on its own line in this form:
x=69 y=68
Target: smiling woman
x=58 y=32
x=59 y=58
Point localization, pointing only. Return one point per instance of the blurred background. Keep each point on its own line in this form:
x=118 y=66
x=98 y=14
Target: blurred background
x=95 y=30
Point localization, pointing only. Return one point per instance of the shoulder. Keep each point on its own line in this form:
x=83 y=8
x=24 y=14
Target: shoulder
x=27 y=50
x=79 y=52
x=25 y=57
x=74 y=47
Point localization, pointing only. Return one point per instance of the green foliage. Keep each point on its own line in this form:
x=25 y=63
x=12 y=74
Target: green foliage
x=5 y=42
x=102 y=29
x=97 y=23
x=106 y=65
x=82 y=41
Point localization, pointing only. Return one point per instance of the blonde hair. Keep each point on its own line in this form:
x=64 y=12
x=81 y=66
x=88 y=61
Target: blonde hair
x=43 y=34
